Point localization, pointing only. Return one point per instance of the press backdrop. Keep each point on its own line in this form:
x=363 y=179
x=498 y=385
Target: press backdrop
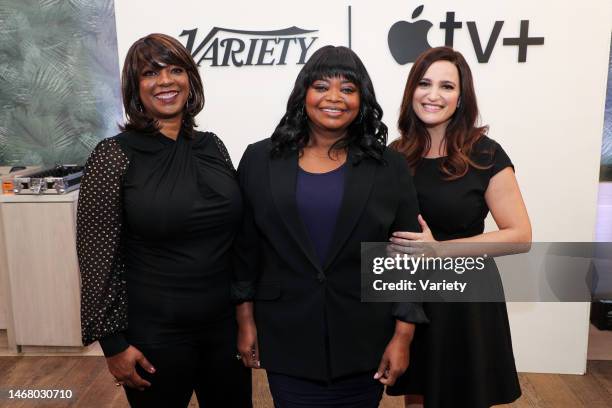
x=542 y=93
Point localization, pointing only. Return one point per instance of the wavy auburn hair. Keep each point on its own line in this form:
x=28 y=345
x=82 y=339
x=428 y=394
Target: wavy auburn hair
x=462 y=131
x=367 y=134
x=157 y=51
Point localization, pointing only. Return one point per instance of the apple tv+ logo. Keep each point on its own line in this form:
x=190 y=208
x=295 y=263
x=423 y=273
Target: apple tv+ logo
x=408 y=40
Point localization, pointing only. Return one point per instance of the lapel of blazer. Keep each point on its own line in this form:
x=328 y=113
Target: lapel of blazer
x=357 y=186
x=283 y=179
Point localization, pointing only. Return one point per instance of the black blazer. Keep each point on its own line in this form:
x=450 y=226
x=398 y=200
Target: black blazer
x=310 y=320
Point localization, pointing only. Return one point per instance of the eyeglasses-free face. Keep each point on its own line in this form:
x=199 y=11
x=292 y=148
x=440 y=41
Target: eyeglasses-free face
x=437 y=94
x=164 y=91
x=332 y=104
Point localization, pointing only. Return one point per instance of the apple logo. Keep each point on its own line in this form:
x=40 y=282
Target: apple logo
x=408 y=40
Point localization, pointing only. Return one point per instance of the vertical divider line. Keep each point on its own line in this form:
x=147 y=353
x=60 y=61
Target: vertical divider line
x=349 y=28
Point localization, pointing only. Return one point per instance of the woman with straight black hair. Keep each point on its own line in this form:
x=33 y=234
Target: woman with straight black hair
x=463 y=357
x=158 y=209
x=322 y=184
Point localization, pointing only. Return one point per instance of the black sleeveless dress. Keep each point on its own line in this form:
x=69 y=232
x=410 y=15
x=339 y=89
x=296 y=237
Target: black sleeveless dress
x=463 y=357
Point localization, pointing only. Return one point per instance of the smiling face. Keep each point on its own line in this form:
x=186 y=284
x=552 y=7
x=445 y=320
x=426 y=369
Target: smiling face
x=332 y=104
x=164 y=91
x=435 y=98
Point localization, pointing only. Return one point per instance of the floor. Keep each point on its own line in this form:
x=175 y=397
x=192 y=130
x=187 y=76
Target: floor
x=92 y=386
x=600 y=344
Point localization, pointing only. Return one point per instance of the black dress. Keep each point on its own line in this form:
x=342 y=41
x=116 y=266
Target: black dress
x=156 y=223
x=463 y=357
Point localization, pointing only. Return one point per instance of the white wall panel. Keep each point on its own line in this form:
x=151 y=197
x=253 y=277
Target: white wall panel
x=547 y=112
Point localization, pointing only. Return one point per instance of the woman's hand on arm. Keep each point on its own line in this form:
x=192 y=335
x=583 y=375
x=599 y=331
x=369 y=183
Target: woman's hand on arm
x=424 y=236
x=396 y=357
x=123 y=367
x=247 y=335
x=414 y=243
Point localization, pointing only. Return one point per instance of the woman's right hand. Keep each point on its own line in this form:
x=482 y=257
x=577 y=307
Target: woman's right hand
x=247 y=335
x=123 y=367
x=247 y=344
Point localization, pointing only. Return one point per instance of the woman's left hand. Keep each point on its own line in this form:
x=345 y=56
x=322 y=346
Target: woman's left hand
x=395 y=360
x=414 y=242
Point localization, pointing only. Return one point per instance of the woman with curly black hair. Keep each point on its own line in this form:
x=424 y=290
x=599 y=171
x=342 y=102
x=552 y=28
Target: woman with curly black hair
x=322 y=184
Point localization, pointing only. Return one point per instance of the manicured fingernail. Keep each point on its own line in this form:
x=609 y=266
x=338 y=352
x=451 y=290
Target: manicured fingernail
x=377 y=376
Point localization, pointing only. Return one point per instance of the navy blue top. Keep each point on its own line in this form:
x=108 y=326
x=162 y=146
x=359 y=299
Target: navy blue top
x=318 y=197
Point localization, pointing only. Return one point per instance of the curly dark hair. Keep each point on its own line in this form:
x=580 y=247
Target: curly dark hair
x=158 y=50
x=367 y=134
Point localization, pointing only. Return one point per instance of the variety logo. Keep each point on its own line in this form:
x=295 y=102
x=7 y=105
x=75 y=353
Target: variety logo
x=246 y=48
x=407 y=40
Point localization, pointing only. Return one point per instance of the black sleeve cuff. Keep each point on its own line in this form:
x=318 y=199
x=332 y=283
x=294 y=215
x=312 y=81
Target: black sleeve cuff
x=242 y=291
x=113 y=344
x=409 y=312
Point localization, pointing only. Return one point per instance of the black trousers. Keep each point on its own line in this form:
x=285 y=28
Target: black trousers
x=205 y=364
x=355 y=391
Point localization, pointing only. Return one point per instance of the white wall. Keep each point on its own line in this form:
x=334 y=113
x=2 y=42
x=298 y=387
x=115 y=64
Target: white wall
x=546 y=112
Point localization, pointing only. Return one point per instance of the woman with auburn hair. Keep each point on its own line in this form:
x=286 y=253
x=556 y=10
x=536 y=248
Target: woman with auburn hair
x=158 y=209
x=463 y=357
x=322 y=184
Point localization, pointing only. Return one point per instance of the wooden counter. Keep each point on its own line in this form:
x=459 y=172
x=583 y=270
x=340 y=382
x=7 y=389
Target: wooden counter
x=39 y=275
